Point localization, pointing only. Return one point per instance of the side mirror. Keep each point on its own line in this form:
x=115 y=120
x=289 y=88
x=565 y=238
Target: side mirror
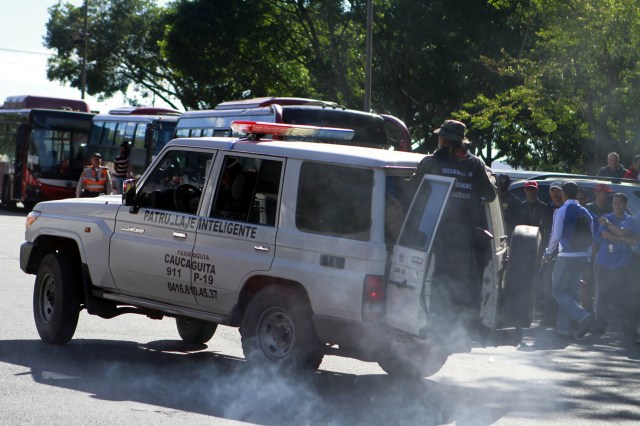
x=129 y=192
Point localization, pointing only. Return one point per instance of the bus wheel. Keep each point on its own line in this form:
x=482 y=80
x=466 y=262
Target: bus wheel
x=56 y=303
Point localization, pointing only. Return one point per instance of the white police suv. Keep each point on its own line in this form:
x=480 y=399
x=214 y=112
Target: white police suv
x=303 y=246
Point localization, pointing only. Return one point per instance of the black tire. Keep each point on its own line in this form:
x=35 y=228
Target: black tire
x=56 y=301
x=412 y=361
x=195 y=331
x=518 y=297
x=277 y=330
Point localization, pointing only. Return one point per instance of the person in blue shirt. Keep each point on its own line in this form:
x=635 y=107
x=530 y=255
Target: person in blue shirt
x=571 y=236
x=614 y=268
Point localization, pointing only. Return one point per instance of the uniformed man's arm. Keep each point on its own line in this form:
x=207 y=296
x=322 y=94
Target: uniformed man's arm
x=488 y=190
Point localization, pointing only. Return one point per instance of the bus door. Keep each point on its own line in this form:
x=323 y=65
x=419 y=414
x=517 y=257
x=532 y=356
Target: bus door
x=22 y=149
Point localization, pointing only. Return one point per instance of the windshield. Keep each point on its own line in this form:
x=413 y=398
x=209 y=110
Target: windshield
x=56 y=154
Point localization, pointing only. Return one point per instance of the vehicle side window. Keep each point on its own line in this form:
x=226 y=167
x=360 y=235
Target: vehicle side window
x=334 y=200
x=248 y=190
x=421 y=219
x=177 y=181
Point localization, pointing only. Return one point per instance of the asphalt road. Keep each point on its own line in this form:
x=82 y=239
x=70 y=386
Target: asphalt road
x=134 y=370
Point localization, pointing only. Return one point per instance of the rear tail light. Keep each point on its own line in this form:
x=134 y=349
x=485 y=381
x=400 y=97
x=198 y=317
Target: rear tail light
x=373 y=297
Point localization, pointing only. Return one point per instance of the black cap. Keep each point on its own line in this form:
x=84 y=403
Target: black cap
x=452 y=130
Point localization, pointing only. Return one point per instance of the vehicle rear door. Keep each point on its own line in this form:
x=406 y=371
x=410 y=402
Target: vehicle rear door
x=412 y=262
x=237 y=233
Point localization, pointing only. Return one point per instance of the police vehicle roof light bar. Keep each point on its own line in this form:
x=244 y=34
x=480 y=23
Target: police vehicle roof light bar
x=295 y=130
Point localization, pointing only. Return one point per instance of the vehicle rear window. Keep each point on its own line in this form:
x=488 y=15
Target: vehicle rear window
x=335 y=200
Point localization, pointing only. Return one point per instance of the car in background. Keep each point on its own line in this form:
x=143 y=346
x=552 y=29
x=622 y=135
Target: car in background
x=630 y=188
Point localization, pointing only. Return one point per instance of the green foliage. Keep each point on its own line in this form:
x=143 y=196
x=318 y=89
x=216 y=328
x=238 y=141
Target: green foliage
x=432 y=57
x=546 y=84
x=577 y=86
x=123 y=49
x=264 y=48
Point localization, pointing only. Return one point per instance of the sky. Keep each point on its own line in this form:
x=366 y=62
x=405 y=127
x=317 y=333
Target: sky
x=23 y=57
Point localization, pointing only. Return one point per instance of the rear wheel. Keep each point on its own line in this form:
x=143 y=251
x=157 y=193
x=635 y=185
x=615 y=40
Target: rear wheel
x=195 y=331
x=56 y=303
x=277 y=329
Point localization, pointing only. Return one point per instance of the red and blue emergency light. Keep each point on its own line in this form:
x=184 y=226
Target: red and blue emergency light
x=295 y=130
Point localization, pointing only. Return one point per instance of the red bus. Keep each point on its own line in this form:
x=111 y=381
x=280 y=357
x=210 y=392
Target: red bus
x=372 y=130
x=145 y=129
x=41 y=148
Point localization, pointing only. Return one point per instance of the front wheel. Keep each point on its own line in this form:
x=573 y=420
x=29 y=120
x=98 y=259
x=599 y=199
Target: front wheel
x=277 y=329
x=413 y=361
x=56 y=301
x=195 y=331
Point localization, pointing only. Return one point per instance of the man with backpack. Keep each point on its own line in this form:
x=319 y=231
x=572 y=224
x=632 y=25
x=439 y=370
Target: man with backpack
x=572 y=236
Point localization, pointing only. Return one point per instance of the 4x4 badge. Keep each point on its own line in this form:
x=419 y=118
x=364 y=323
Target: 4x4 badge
x=132 y=229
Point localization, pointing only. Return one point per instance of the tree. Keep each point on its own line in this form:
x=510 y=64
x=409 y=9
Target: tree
x=123 y=48
x=578 y=84
x=259 y=48
x=431 y=58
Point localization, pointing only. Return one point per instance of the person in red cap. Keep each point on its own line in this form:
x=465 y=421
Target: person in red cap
x=602 y=203
x=632 y=172
x=532 y=205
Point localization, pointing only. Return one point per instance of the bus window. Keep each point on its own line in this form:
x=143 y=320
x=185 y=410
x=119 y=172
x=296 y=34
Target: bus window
x=146 y=134
x=96 y=133
x=108 y=134
x=119 y=137
x=138 y=140
x=129 y=132
x=182 y=133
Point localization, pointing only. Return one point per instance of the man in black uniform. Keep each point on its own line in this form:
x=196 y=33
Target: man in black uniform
x=460 y=246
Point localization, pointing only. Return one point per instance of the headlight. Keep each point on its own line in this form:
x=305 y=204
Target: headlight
x=31 y=218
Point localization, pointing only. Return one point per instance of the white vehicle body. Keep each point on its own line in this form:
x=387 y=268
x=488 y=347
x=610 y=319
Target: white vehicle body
x=336 y=287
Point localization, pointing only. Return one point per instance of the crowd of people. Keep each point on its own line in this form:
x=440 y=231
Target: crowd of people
x=587 y=282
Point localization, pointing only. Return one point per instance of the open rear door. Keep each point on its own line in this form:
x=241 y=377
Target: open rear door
x=409 y=281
